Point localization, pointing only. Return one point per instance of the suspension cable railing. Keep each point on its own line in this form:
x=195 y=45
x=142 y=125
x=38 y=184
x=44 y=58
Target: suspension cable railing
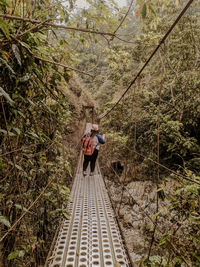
x=170 y=170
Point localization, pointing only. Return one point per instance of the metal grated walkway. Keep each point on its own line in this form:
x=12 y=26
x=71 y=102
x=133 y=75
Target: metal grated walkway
x=90 y=237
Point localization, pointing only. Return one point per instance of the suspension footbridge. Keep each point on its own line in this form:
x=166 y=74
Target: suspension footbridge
x=90 y=237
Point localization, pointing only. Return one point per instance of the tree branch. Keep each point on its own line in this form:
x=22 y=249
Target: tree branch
x=129 y=42
x=123 y=18
x=55 y=63
x=62 y=65
x=32 y=29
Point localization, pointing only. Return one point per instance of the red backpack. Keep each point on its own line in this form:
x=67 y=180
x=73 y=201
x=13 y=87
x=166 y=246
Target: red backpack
x=88 y=148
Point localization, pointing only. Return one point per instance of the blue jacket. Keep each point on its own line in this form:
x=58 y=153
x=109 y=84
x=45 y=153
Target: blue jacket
x=100 y=138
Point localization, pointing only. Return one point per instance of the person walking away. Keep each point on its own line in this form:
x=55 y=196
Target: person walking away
x=91 y=144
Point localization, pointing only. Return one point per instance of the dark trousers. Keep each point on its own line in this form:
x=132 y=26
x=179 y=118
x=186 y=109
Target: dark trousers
x=92 y=159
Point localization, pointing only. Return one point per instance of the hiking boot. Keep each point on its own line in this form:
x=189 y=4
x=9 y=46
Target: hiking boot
x=92 y=173
x=84 y=173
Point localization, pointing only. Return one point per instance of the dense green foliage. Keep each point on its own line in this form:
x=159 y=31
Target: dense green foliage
x=161 y=111
x=34 y=120
x=38 y=114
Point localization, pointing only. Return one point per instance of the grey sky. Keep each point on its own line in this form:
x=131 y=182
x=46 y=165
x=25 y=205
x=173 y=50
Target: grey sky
x=82 y=3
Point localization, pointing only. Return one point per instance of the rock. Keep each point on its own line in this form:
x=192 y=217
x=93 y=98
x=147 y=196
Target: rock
x=132 y=192
x=131 y=185
x=140 y=217
x=134 y=214
x=136 y=209
x=121 y=212
x=128 y=219
x=141 y=224
x=135 y=225
x=128 y=179
x=135 y=257
x=132 y=201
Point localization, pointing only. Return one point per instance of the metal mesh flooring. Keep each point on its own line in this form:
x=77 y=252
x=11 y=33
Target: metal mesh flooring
x=90 y=237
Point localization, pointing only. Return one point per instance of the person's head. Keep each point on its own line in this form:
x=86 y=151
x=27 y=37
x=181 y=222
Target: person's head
x=94 y=129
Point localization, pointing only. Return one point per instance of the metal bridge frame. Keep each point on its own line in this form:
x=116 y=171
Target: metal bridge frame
x=91 y=236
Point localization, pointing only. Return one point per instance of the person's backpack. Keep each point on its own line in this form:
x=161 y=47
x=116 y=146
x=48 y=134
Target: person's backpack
x=88 y=148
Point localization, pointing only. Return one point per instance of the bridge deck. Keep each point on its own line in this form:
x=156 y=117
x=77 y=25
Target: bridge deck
x=90 y=237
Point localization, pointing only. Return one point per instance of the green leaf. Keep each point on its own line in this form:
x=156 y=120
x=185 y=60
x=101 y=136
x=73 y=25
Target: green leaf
x=144 y=11
x=19 y=167
x=6 y=64
x=54 y=33
x=6 y=95
x=17 y=130
x=16 y=53
x=13 y=255
x=5 y=132
x=31 y=102
x=197 y=257
x=71 y=4
x=152 y=10
x=4 y=28
x=158 y=213
x=33 y=135
x=1 y=165
x=21 y=114
x=25 y=78
x=18 y=206
x=66 y=215
x=24 y=45
x=66 y=76
x=163 y=239
x=5 y=221
x=16 y=254
x=21 y=253
x=3 y=3
x=61 y=42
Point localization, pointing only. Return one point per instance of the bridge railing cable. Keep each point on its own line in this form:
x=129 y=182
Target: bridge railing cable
x=164 y=167
x=168 y=169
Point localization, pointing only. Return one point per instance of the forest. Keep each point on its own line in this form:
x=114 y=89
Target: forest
x=57 y=59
